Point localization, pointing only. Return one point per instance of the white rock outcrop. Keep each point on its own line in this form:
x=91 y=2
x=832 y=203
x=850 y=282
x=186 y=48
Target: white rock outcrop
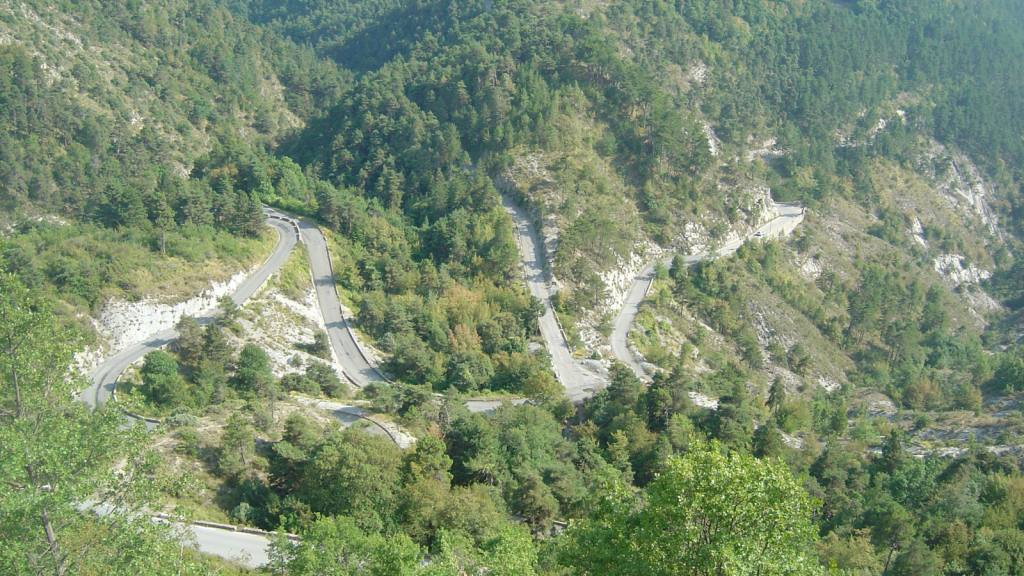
x=951 y=266
x=122 y=324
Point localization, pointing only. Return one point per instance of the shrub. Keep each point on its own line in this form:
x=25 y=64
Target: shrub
x=181 y=420
x=189 y=445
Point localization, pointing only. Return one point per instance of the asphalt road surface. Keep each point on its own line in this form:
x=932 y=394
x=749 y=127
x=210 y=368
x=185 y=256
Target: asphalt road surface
x=789 y=216
x=488 y=406
x=249 y=549
x=351 y=358
x=578 y=383
x=105 y=377
x=252 y=549
x=355 y=365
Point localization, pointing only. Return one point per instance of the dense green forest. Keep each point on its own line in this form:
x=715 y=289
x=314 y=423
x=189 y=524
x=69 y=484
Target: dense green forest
x=143 y=131
x=538 y=77
x=862 y=419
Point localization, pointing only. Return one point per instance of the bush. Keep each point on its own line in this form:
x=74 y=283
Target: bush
x=327 y=379
x=181 y=420
x=308 y=387
x=793 y=416
x=242 y=512
x=321 y=346
x=189 y=445
x=262 y=418
x=160 y=380
x=301 y=383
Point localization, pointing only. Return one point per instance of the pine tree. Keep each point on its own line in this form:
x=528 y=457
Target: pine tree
x=777 y=394
x=190 y=341
x=224 y=202
x=216 y=347
x=237 y=446
x=893 y=452
x=253 y=372
x=248 y=214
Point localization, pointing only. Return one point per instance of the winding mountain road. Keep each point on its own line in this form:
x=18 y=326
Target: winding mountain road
x=790 y=215
x=353 y=362
x=355 y=365
x=105 y=377
x=579 y=383
x=248 y=549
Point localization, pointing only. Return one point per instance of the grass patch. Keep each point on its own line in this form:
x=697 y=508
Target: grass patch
x=85 y=265
x=293 y=280
x=575 y=341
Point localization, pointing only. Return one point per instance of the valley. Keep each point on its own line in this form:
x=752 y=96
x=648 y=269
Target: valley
x=514 y=287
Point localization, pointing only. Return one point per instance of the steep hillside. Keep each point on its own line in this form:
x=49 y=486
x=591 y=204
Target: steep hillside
x=632 y=129
x=858 y=381
x=637 y=130
x=134 y=148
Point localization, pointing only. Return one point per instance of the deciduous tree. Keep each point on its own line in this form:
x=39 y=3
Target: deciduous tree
x=62 y=511
x=709 y=513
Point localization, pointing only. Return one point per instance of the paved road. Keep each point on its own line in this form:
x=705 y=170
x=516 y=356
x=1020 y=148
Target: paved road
x=249 y=549
x=789 y=216
x=489 y=406
x=578 y=382
x=104 y=378
x=359 y=370
x=348 y=415
x=349 y=356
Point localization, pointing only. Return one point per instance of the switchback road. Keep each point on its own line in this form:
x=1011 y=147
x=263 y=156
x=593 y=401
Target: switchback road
x=359 y=370
x=351 y=358
x=104 y=378
x=236 y=544
x=578 y=382
x=789 y=216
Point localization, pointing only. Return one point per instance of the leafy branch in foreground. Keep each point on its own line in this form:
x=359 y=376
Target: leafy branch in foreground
x=74 y=482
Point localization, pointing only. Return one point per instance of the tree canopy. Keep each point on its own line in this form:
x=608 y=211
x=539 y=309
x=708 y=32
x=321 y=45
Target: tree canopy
x=707 y=513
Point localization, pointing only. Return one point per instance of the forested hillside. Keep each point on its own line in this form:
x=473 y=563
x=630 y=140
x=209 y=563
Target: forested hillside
x=842 y=400
x=129 y=130
x=659 y=106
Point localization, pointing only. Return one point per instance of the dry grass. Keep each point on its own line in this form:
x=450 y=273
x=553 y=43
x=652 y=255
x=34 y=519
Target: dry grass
x=293 y=279
x=176 y=279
